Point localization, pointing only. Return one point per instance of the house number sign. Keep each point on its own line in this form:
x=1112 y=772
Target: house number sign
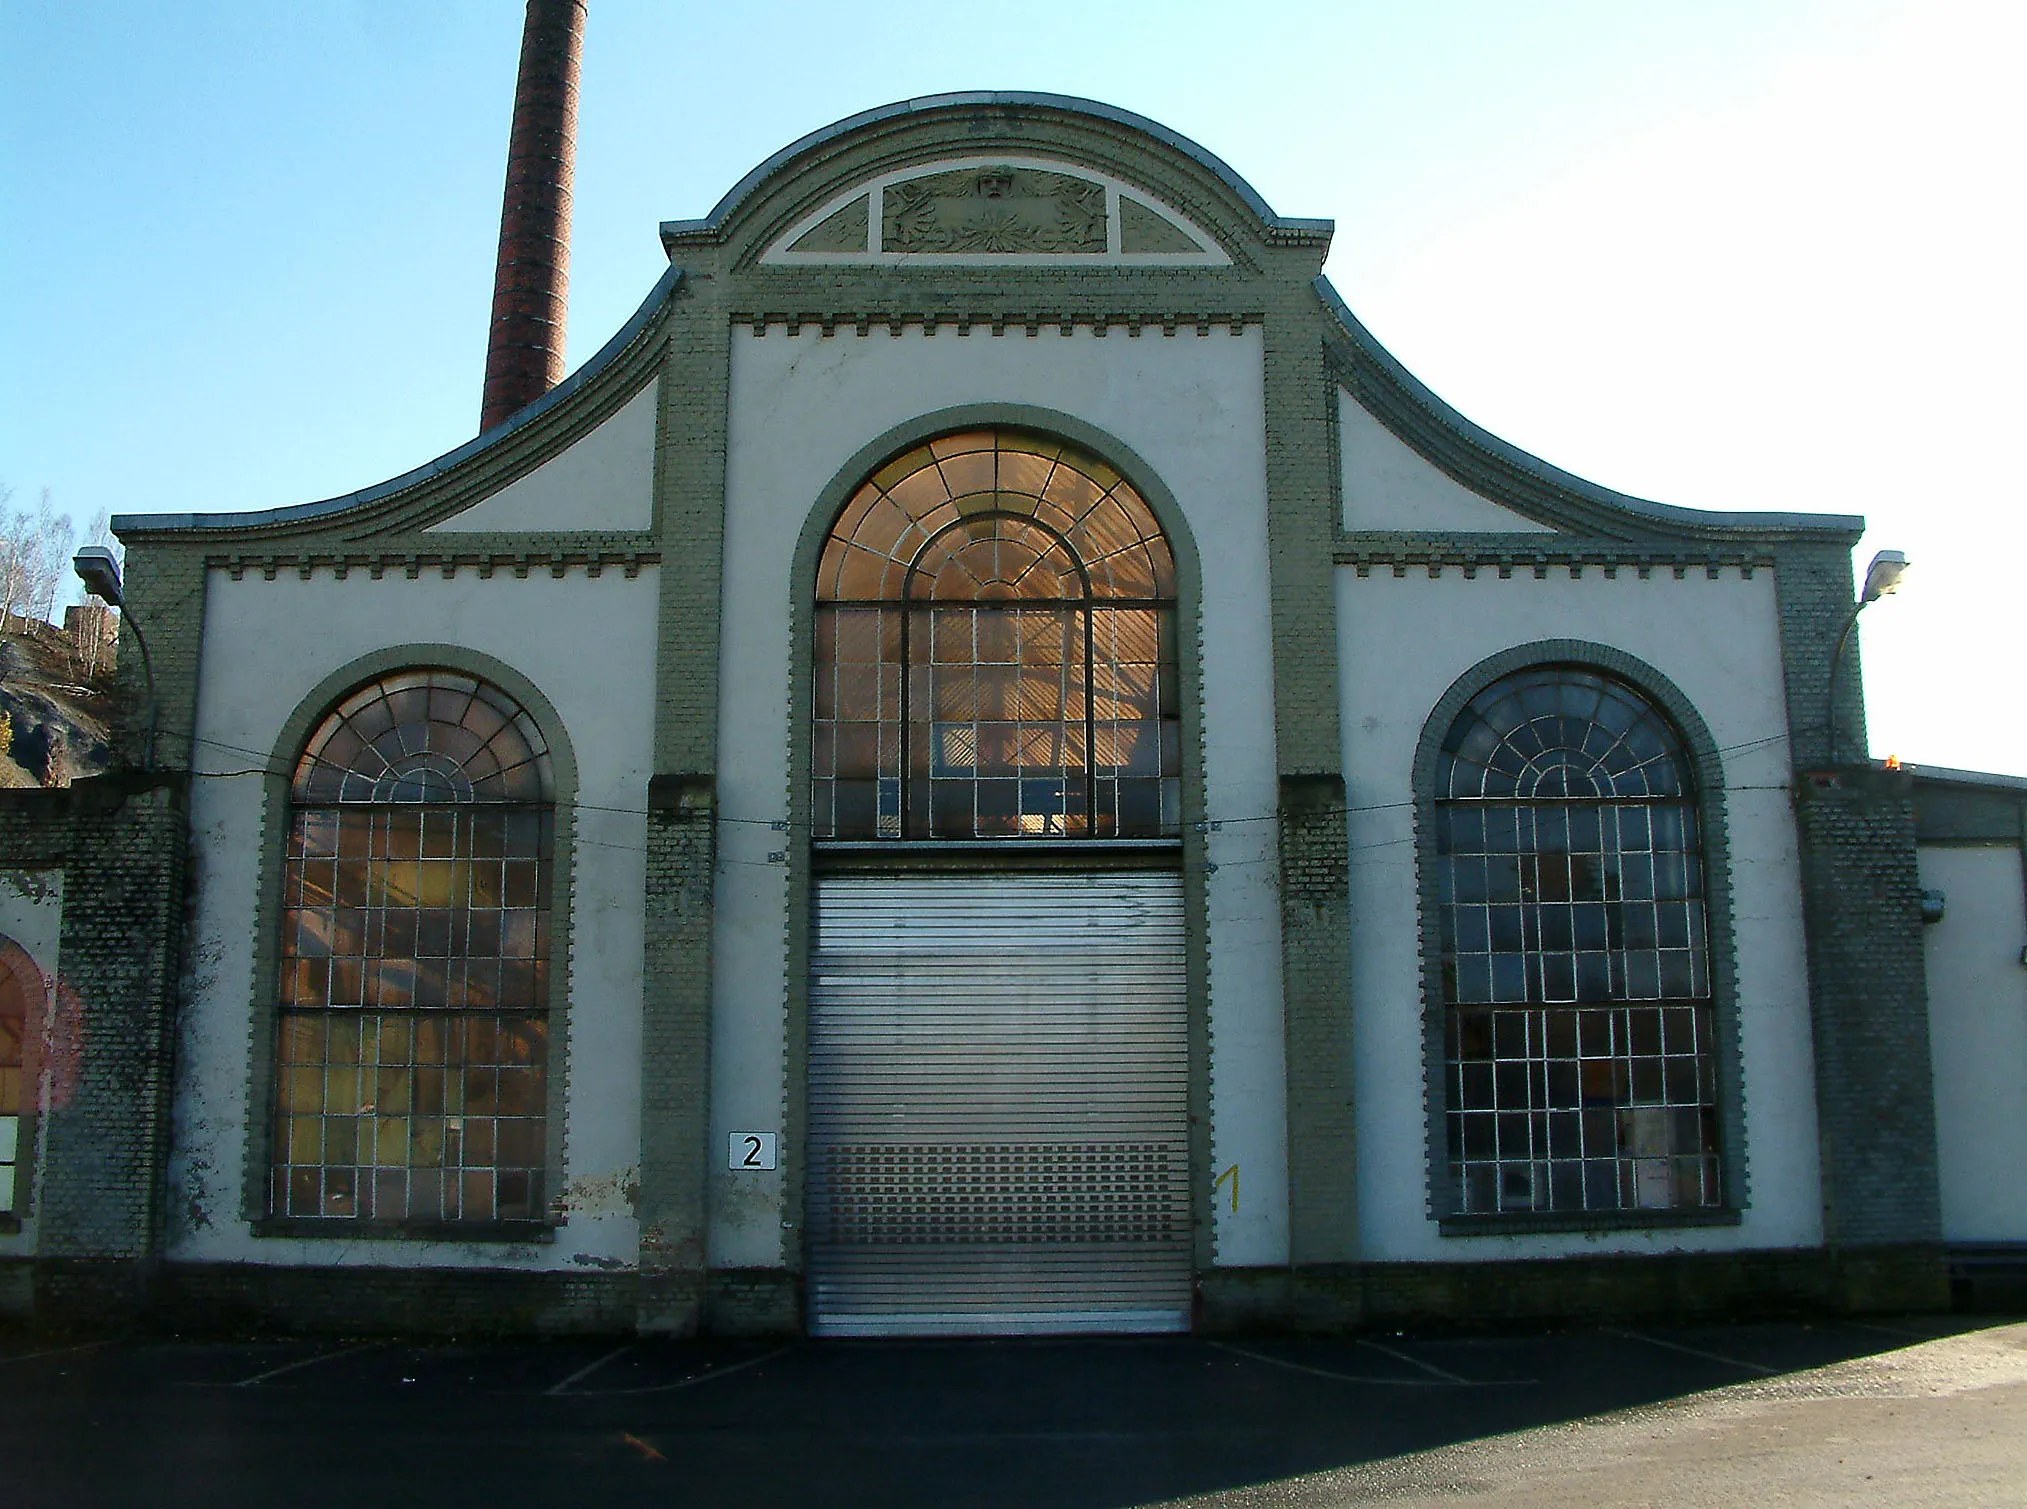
x=752 y=1151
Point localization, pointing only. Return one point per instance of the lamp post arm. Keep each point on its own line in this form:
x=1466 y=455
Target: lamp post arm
x=148 y=671
x=1831 y=721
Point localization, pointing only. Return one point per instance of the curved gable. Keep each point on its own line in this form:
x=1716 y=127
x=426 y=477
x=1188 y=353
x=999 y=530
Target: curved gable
x=1007 y=177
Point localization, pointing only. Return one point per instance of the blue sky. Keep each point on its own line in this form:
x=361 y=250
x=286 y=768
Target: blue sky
x=1727 y=255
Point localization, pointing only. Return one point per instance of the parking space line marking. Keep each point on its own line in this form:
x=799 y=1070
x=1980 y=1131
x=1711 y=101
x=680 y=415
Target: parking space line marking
x=669 y=1388
x=1873 y=1325
x=1316 y=1372
x=307 y=1362
x=587 y=1370
x=83 y=1346
x=1428 y=1367
x=1676 y=1346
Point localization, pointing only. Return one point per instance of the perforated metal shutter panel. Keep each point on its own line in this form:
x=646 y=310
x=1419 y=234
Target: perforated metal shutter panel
x=998 y=1088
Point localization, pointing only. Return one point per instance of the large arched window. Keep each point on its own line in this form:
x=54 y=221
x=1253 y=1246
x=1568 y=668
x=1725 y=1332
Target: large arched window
x=412 y=1050
x=1579 y=1068
x=23 y=1000
x=995 y=650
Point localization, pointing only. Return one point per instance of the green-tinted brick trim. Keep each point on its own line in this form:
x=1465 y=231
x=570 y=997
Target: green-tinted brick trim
x=1470 y=551
x=801 y=180
x=1314 y=836
x=676 y=987
x=120 y=947
x=1875 y=1088
x=1813 y=602
x=1303 y=476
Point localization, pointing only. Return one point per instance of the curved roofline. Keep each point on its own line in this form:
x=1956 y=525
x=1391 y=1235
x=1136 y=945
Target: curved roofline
x=746 y=187
x=1532 y=466
x=296 y=513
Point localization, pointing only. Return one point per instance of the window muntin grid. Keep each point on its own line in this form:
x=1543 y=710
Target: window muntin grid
x=995 y=650
x=1579 y=1057
x=413 y=986
x=22 y=1003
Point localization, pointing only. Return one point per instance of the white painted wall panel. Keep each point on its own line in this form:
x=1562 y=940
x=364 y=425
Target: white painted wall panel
x=1192 y=407
x=1977 y=1013
x=1388 y=486
x=604 y=481
x=1402 y=643
x=31 y=912
x=267 y=645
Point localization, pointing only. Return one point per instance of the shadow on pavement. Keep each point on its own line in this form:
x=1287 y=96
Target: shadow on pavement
x=1071 y=1424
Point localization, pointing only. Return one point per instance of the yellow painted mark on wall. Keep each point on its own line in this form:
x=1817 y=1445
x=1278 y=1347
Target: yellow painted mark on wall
x=1231 y=1176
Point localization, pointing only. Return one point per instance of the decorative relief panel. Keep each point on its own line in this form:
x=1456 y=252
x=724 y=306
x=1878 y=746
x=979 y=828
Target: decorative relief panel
x=995 y=210
x=1143 y=229
x=842 y=231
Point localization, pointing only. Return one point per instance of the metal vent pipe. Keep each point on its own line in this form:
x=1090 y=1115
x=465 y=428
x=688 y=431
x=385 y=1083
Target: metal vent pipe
x=531 y=284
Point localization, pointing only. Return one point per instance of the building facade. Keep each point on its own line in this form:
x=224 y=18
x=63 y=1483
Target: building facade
x=992 y=763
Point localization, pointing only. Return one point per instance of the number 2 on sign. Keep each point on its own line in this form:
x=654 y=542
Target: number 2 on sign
x=1230 y=1175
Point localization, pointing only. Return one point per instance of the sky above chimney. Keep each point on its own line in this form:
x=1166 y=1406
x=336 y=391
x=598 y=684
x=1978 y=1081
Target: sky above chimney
x=1753 y=254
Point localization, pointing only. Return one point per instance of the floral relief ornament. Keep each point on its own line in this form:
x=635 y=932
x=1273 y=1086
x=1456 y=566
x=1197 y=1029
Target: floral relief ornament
x=995 y=211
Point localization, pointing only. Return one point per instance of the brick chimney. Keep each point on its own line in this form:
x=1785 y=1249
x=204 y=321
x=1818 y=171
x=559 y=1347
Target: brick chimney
x=531 y=286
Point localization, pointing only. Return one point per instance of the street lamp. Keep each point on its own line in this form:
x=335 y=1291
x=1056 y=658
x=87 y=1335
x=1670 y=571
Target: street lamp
x=1882 y=579
x=99 y=569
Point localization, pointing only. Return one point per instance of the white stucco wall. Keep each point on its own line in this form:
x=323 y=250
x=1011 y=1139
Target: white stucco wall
x=31 y=913
x=267 y=645
x=1192 y=407
x=1388 y=486
x=1977 y=1014
x=1402 y=642
x=604 y=481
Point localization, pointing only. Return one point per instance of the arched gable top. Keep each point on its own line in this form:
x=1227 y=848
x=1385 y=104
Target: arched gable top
x=1504 y=474
x=467 y=474
x=1011 y=177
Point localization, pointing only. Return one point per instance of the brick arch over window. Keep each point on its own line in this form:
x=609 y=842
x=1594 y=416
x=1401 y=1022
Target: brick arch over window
x=1576 y=939
x=412 y=1043
x=23 y=1007
x=995 y=650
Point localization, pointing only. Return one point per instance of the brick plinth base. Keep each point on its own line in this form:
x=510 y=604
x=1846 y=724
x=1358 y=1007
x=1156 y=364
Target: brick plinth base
x=752 y=1302
x=253 y=1297
x=1706 y=1286
x=242 y=1298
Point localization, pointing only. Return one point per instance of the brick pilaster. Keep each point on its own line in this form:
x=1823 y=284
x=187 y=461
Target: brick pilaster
x=1875 y=1095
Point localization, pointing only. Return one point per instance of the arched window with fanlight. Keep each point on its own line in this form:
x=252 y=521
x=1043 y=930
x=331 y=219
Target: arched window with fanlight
x=995 y=650
x=413 y=1037
x=1579 y=1068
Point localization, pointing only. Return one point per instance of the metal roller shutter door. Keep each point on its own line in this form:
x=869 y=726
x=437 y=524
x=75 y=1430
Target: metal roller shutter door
x=998 y=1089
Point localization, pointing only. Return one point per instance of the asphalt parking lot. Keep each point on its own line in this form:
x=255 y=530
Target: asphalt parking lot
x=1032 y=1422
